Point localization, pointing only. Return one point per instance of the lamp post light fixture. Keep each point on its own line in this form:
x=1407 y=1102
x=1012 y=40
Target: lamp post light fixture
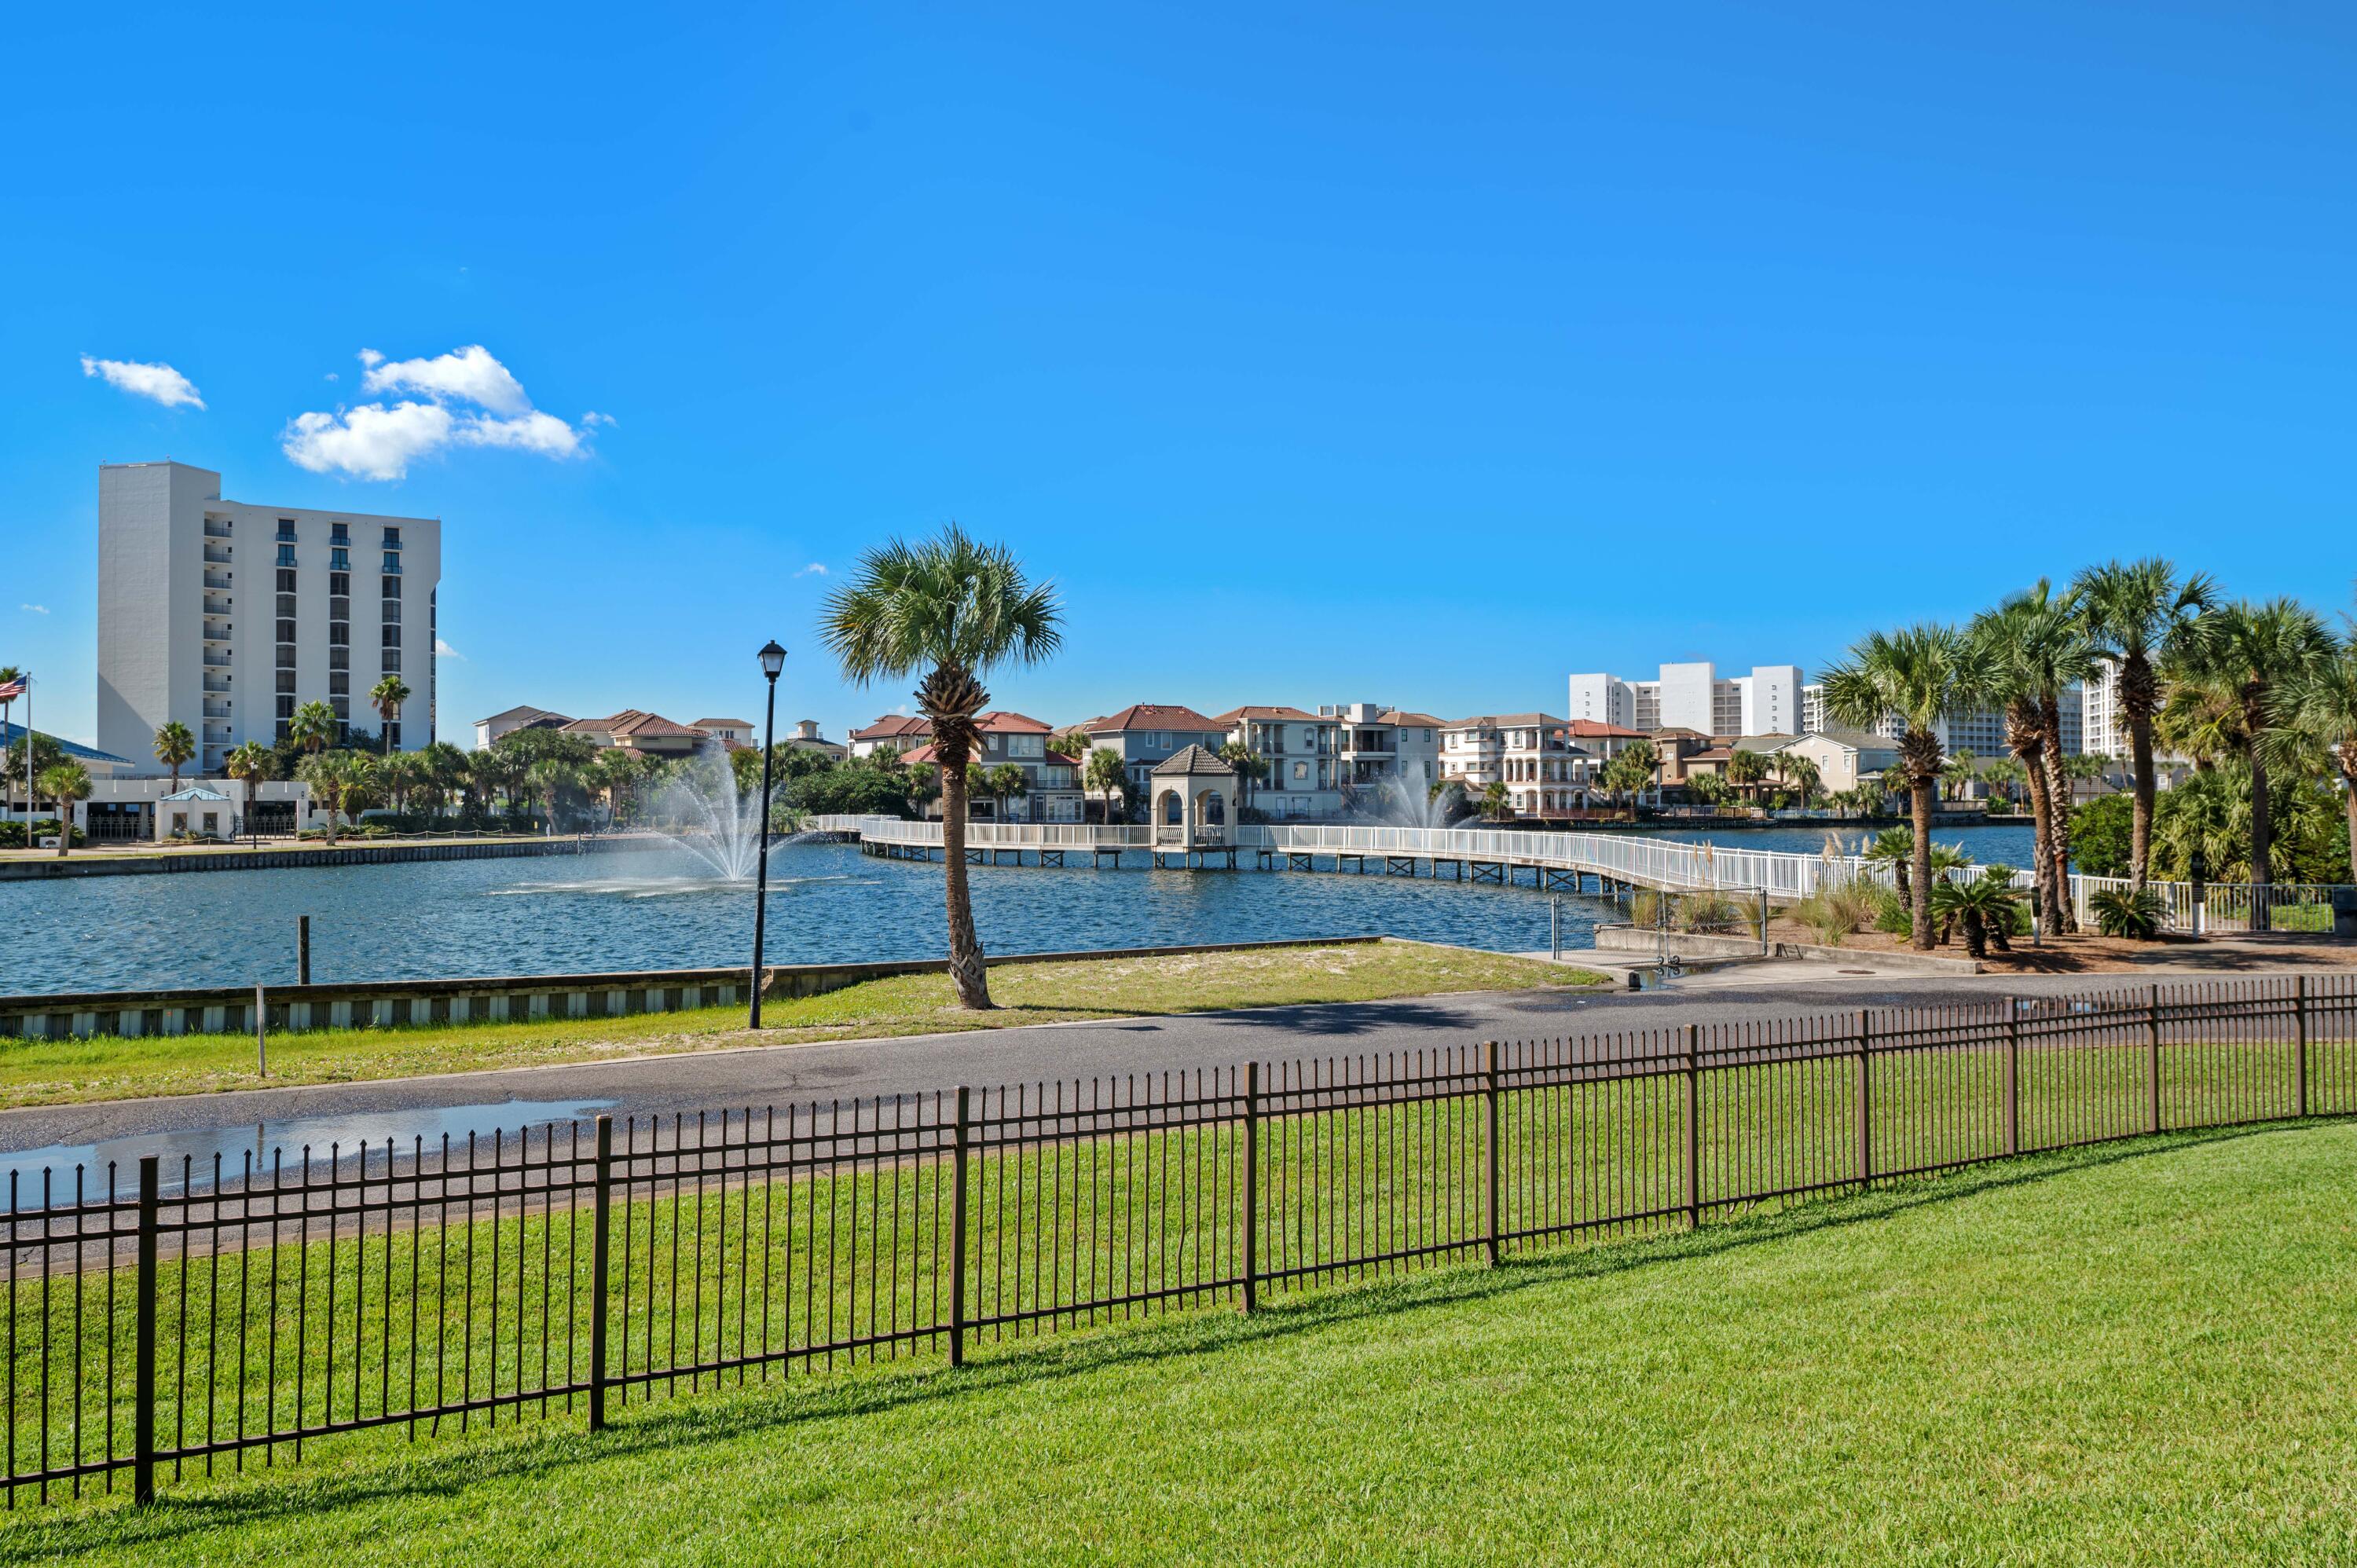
x=773 y=662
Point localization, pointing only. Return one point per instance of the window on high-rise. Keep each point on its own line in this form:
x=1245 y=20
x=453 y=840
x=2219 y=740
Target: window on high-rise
x=285 y=582
x=286 y=630
x=337 y=560
x=393 y=588
x=287 y=555
x=340 y=683
x=340 y=583
x=286 y=681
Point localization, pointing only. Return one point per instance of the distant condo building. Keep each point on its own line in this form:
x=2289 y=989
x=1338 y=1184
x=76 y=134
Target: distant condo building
x=1695 y=696
x=226 y=616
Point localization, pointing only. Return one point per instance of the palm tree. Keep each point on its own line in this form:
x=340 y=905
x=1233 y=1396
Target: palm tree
x=340 y=779
x=65 y=782
x=2027 y=652
x=2317 y=711
x=1493 y=801
x=250 y=763
x=1920 y=674
x=1958 y=773
x=1747 y=770
x=173 y=747
x=2204 y=728
x=1801 y=773
x=955 y=610
x=313 y=726
x=2139 y=615
x=386 y=697
x=1895 y=847
x=9 y=675
x=1006 y=782
x=2247 y=653
x=1105 y=773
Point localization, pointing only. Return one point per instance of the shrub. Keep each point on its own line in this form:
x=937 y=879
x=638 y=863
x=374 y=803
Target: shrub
x=1891 y=914
x=1709 y=912
x=1644 y=906
x=2125 y=912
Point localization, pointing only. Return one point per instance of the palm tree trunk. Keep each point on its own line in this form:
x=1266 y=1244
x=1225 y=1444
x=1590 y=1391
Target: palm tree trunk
x=2058 y=814
x=966 y=971
x=2042 y=843
x=2140 y=823
x=1920 y=790
x=2348 y=804
x=2263 y=827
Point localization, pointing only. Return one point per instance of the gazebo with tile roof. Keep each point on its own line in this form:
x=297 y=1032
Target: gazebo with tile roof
x=1192 y=800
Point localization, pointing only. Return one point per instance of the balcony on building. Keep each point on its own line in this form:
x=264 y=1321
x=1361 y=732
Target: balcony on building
x=216 y=710
x=218 y=554
x=216 y=580
x=338 y=533
x=215 y=659
x=216 y=528
x=216 y=682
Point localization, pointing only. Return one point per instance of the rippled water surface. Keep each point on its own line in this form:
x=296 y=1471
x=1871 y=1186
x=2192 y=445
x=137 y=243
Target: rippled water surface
x=660 y=909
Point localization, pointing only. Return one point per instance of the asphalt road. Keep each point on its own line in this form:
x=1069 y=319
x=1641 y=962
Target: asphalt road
x=783 y=1075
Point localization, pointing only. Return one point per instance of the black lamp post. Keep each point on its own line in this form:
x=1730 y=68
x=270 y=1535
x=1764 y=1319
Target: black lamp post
x=773 y=661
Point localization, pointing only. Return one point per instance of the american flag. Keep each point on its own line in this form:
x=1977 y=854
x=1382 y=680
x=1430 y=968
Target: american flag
x=13 y=689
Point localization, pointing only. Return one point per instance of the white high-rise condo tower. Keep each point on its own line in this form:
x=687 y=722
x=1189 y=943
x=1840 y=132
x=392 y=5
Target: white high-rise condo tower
x=226 y=616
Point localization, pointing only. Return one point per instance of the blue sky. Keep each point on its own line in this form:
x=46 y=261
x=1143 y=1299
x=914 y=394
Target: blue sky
x=1321 y=353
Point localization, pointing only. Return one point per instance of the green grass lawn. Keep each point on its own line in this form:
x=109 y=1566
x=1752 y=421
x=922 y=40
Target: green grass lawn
x=2145 y=1353
x=52 y=1072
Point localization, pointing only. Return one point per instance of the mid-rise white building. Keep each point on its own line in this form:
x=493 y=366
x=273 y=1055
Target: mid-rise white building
x=1695 y=696
x=227 y=616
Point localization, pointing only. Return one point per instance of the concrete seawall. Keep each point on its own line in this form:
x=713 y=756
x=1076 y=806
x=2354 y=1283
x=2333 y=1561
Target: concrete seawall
x=360 y=852
x=516 y=998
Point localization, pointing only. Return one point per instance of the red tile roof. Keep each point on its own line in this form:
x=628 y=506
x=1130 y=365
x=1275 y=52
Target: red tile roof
x=1592 y=727
x=1398 y=717
x=892 y=726
x=1153 y=715
x=998 y=721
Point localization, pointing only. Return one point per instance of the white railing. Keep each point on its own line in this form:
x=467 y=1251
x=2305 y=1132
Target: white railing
x=1647 y=861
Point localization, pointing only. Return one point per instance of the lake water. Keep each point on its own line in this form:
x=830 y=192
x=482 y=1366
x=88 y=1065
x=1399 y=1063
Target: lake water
x=652 y=909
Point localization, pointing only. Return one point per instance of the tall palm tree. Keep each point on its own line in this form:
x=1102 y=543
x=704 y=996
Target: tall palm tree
x=956 y=609
x=173 y=747
x=1957 y=774
x=65 y=782
x=340 y=779
x=251 y=763
x=2245 y=653
x=1801 y=773
x=313 y=726
x=2317 y=711
x=1747 y=770
x=1105 y=774
x=386 y=697
x=2140 y=614
x=1920 y=674
x=2027 y=652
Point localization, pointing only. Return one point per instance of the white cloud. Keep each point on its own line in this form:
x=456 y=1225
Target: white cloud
x=465 y=398
x=592 y=419
x=813 y=570
x=37 y=609
x=469 y=375
x=444 y=651
x=159 y=382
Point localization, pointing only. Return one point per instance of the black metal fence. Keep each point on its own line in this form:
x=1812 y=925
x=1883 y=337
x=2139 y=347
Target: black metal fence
x=228 y=1315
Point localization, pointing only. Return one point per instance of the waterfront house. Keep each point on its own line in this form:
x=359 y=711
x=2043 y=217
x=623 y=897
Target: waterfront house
x=1845 y=758
x=1300 y=751
x=634 y=729
x=487 y=731
x=806 y=738
x=902 y=732
x=730 y=732
x=1051 y=780
x=1146 y=733
x=1546 y=771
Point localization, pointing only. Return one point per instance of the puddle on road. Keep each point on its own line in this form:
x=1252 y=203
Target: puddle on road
x=60 y=1165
